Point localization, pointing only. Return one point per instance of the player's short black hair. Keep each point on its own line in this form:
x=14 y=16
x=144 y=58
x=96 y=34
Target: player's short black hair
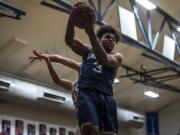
x=108 y=29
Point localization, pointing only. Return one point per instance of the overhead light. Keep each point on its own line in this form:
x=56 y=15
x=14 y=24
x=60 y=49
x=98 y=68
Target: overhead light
x=116 y=80
x=178 y=29
x=147 y=4
x=151 y=94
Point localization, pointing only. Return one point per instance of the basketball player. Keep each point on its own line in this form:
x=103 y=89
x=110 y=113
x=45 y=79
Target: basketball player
x=64 y=83
x=97 y=110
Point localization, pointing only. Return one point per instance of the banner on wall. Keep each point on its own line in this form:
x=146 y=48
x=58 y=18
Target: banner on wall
x=6 y=127
x=42 y=129
x=14 y=126
x=19 y=124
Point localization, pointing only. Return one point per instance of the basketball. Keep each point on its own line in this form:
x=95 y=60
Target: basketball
x=83 y=12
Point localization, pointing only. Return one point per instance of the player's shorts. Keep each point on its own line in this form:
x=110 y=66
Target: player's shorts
x=97 y=108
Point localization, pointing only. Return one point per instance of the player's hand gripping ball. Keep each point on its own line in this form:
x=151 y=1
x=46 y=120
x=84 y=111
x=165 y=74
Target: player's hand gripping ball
x=83 y=12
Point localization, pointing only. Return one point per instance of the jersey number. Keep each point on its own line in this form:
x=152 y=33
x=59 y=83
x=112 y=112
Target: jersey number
x=97 y=68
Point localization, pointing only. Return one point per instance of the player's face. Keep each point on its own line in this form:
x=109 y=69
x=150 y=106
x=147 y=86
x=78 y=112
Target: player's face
x=108 y=41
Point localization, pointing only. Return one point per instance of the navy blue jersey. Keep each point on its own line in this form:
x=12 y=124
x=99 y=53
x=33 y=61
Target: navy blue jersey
x=96 y=76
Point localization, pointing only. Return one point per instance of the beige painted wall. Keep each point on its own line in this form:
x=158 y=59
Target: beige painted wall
x=169 y=119
x=123 y=130
x=37 y=112
x=32 y=112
